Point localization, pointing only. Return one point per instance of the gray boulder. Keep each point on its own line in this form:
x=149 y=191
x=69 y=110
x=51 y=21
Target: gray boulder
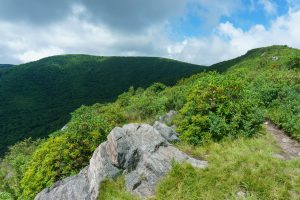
x=168 y=117
x=140 y=151
x=167 y=132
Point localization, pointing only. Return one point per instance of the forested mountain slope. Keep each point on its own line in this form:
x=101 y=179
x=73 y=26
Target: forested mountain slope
x=36 y=98
x=5 y=65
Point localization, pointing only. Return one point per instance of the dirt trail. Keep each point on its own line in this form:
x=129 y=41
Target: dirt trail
x=290 y=147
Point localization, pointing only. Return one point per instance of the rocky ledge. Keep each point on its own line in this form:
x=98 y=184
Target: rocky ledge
x=142 y=153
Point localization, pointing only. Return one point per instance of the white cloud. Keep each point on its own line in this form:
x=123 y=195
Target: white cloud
x=212 y=10
x=283 y=30
x=293 y=4
x=269 y=6
x=23 y=42
x=202 y=51
x=29 y=42
x=230 y=41
x=101 y=28
x=30 y=55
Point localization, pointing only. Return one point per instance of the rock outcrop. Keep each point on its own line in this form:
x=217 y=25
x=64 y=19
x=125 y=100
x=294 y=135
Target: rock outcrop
x=168 y=117
x=139 y=151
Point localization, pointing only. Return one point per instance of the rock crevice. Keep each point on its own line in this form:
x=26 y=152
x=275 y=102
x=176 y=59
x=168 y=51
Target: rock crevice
x=141 y=152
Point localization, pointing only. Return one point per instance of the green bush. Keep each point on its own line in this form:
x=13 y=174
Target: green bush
x=285 y=111
x=66 y=152
x=294 y=63
x=279 y=92
x=13 y=166
x=147 y=104
x=5 y=196
x=58 y=157
x=219 y=106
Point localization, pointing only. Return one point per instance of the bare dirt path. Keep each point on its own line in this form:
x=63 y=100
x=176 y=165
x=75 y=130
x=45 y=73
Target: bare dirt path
x=290 y=147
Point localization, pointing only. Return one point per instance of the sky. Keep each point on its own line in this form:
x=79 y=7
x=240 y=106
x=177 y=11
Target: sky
x=196 y=31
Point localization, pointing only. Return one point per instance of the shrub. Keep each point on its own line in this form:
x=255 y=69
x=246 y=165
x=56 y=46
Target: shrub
x=66 y=152
x=285 y=111
x=294 y=63
x=147 y=104
x=219 y=106
x=5 y=196
x=280 y=93
x=60 y=156
x=13 y=166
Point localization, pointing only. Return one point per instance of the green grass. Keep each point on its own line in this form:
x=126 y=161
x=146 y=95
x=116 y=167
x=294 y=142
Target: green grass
x=241 y=165
x=37 y=98
x=260 y=58
x=115 y=190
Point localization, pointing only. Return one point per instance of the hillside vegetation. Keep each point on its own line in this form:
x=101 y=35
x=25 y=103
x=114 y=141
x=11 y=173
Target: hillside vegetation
x=219 y=118
x=5 y=65
x=37 y=98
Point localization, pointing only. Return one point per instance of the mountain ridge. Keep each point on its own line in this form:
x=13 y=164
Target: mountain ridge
x=37 y=97
x=6 y=66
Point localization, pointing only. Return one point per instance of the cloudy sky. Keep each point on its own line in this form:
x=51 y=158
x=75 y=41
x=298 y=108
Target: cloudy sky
x=196 y=31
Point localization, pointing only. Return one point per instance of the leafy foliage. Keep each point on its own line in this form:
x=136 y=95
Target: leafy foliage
x=285 y=112
x=65 y=152
x=219 y=106
x=280 y=94
x=13 y=166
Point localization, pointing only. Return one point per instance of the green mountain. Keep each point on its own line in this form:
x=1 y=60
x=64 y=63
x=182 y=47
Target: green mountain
x=36 y=98
x=261 y=56
x=4 y=67
x=220 y=117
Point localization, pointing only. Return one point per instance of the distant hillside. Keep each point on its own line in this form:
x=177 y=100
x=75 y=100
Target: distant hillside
x=36 y=98
x=262 y=55
x=5 y=66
